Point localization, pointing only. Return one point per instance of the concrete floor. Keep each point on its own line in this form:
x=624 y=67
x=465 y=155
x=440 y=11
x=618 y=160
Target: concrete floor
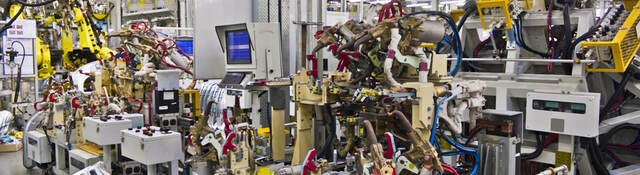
x=12 y=164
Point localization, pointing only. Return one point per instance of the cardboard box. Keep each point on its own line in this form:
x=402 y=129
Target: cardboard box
x=10 y=147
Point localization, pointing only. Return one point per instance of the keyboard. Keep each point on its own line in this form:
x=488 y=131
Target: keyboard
x=233 y=78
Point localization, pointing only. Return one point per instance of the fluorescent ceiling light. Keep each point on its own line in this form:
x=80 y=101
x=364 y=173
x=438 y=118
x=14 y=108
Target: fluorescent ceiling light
x=453 y=2
x=419 y=5
x=381 y=2
x=372 y=2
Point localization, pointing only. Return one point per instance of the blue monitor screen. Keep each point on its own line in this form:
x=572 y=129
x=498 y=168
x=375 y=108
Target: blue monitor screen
x=238 y=46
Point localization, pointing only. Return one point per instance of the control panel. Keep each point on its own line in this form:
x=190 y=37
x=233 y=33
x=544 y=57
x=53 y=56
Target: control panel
x=151 y=145
x=104 y=130
x=575 y=114
x=166 y=102
x=136 y=119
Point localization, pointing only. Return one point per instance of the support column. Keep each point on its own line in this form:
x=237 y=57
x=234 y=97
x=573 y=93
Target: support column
x=277 y=98
x=303 y=142
x=106 y=152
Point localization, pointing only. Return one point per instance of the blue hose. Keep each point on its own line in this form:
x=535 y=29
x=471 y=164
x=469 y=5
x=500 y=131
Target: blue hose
x=432 y=139
x=475 y=153
x=456 y=36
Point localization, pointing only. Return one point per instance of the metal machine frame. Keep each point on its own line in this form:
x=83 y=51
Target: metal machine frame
x=514 y=83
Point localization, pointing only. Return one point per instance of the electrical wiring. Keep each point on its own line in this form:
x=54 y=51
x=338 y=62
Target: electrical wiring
x=453 y=27
x=605 y=137
x=587 y=34
x=475 y=153
x=595 y=157
x=537 y=151
x=550 y=35
x=472 y=135
x=615 y=157
x=625 y=148
x=568 y=34
x=520 y=38
x=478 y=47
x=19 y=78
x=619 y=90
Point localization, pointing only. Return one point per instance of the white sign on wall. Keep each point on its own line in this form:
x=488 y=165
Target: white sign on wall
x=20 y=37
x=22 y=29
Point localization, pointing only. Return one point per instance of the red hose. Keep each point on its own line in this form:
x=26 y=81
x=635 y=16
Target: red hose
x=164 y=53
x=553 y=49
x=44 y=99
x=449 y=169
x=476 y=51
x=140 y=102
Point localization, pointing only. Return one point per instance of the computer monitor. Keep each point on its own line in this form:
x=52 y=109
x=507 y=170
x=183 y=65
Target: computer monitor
x=239 y=47
x=252 y=49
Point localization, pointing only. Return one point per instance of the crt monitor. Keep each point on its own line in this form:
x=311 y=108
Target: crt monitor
x=238 y=47
x=251 y=48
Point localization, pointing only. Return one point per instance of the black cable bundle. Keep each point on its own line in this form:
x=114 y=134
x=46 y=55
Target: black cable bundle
x=595 y=156
x=619 y=90
x=520 y=38
x=568 y=34
x=469 y=8
x=539 y=148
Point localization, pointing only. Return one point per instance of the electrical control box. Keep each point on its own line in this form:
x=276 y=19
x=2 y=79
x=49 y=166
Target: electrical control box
x=38 y=147
x=151 y=146
x=569 y=113
x=136 y=119
x=166 y=102
x=80 y=159
x=104 y=131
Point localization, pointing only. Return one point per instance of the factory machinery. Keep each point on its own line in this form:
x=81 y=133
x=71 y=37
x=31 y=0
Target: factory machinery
x=498 y=87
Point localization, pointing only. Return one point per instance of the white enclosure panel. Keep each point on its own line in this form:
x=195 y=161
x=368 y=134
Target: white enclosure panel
x=209 y=58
